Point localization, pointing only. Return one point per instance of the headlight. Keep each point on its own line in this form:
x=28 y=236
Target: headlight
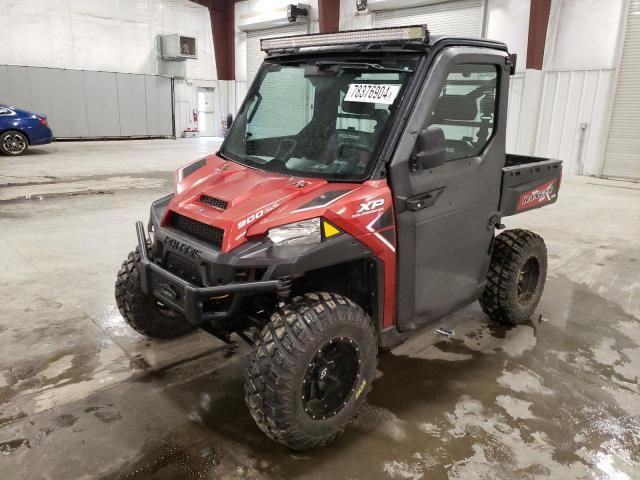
x=305 y=232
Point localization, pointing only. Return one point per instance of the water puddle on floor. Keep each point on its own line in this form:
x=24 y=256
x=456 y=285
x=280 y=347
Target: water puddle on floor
x=548 y=399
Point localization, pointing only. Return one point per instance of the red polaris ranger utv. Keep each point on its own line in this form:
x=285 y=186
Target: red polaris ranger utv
x=354 y=200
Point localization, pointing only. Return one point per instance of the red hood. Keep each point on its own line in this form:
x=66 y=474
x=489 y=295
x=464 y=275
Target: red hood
x=257 y=201
x=253 y=198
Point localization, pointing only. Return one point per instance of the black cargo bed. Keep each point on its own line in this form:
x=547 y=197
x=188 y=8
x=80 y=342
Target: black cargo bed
x=528 y=183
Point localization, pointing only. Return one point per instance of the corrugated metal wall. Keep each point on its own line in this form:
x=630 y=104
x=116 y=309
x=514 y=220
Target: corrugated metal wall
x=572 y=124
x=516 y=85
x=88 y=104
x=622 y=157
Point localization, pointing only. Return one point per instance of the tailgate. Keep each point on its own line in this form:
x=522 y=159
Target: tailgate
x=528 y=183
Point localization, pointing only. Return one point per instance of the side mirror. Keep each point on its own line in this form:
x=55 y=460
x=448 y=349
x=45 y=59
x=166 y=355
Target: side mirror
x=431 y=149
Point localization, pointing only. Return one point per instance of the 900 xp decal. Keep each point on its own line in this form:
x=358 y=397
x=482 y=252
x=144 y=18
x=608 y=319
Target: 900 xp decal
x=542 y=194
x=256 y=216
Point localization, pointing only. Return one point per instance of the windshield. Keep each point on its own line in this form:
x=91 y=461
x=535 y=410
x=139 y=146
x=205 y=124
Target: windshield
x=318 y=119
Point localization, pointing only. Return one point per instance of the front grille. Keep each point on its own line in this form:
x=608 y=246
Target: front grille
x=196 y=229
x=183 y=268
x=215 y=202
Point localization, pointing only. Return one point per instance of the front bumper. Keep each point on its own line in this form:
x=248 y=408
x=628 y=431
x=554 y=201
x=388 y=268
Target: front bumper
x=219 y=272
x=187 y=298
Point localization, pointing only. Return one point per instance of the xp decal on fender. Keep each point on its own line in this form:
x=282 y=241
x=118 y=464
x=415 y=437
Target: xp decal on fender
x=320 y=235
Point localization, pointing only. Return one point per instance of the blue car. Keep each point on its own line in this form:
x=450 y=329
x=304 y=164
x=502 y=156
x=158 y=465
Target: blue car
x=19 y=129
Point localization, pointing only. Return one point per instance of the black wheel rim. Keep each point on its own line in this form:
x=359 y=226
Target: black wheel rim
x=528 y=279
x=330 y=378
x=14 y=143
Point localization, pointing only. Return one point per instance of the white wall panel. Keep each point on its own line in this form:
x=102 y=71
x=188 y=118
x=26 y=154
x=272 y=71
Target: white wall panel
x=18 y=86
x=185 y=103
x=623 y=145
x=516 y=86
x=89 y=104
x=508 y=22
x=94 y=45
x=583 y=34
x=68 y=116
x=107 y=35
x=569 y=99
x=39 y=92
x=351 y=19
x=101 y=100
x=132 y=103
x=158 y=102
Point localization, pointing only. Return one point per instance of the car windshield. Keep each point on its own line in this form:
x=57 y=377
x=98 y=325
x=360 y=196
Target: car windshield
x=318 y=119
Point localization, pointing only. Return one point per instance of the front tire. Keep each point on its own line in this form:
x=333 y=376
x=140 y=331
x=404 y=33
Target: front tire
x=310 y=370
x=143 y=312
x=13 y=143
x=516 y=277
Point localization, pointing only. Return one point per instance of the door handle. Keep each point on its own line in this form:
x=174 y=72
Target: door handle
x=424 y=200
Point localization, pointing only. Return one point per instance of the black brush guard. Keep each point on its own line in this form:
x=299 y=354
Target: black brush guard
x=184 y=297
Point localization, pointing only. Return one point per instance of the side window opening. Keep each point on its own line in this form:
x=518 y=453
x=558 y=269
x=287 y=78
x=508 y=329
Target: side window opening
x=466 y=109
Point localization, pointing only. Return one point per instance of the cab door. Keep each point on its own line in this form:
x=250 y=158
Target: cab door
x=444 y=214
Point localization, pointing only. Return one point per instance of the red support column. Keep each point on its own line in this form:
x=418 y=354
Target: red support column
x=538 y=22
x=223 y=25
x=329 y=11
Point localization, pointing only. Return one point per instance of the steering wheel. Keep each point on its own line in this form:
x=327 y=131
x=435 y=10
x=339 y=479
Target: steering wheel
x=348 y=158
x=348 y=151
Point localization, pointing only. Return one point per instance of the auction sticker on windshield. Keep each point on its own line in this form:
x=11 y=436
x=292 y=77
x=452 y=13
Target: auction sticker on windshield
x=372 y=93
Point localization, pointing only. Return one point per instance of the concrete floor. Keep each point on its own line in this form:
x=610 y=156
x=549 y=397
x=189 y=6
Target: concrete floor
x=83 y=396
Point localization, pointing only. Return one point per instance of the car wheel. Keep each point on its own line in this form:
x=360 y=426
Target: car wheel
x=13 y=143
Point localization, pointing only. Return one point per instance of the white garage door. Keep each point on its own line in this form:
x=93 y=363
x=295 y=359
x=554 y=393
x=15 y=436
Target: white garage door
x=462 y=18
x=255 y=55
x=622 y=157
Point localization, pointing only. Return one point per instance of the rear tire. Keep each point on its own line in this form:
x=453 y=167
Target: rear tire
x=311 y=369
x=516 y=277
x=143 y=312
x=13 y=143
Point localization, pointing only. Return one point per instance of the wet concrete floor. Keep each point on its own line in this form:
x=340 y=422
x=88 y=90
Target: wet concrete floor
x=82 y=396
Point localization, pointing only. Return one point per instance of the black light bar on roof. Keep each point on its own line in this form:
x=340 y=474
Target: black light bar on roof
x=413 y=32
